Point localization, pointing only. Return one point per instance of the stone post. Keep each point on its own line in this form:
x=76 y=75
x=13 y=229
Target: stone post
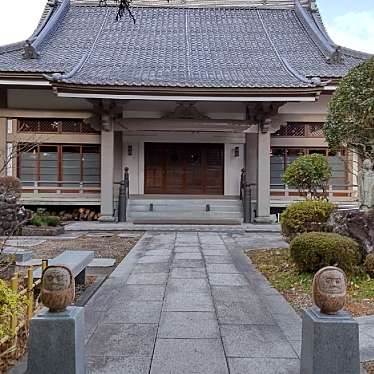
x=330 y=343
x=107 y=174
x=263 y=177
x=330 y=336
x=56 y=342
x=3 y=145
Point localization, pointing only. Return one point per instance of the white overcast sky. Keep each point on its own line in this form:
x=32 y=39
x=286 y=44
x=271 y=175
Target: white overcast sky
x=350 y=23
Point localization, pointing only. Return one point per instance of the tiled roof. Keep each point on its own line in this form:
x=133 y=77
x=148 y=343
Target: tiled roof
x=215 y=47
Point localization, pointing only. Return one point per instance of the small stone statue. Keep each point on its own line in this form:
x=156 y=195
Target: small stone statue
x=366 y=185
x=57 y=288
x=330 y=289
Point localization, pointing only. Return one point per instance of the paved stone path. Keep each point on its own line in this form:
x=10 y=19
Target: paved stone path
x=189 y=303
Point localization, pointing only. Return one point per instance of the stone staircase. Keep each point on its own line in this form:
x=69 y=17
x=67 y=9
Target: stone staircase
x=185 y=211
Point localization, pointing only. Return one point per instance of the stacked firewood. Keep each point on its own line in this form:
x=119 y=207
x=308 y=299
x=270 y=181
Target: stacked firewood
x=79 y=214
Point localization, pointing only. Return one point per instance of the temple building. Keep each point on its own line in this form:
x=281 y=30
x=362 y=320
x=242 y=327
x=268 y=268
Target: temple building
x=186 y=97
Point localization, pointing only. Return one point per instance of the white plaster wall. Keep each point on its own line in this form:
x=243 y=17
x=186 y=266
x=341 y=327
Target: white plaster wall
x=233 y=167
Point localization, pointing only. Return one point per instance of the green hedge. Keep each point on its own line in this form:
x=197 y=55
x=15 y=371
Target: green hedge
x=369 y=264
x=306 y=216
x=315 y=250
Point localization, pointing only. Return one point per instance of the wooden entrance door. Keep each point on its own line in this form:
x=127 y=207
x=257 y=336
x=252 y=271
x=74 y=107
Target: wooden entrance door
x=192 y=169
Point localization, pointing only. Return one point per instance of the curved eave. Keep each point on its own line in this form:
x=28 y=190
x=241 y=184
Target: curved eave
x=177 y=93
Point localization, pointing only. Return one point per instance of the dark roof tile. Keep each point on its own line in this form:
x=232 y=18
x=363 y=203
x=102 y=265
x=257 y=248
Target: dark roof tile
x=179 y=47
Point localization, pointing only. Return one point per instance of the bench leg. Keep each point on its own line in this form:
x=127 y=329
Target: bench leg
x=81 y=277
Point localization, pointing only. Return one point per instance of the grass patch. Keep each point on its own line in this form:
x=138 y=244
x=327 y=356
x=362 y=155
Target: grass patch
x=282 y=273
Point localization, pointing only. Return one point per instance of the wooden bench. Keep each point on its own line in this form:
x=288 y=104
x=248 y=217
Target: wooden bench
x=76 y=261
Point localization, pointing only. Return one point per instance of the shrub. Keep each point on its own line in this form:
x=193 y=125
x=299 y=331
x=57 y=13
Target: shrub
x=43 y=219
x=315 y=250
x=52 y=221
x=369 y=264
x=10 y=303
x=309 y=174
x=306 y=216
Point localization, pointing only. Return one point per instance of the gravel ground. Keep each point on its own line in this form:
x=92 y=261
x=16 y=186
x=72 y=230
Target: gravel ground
x=107 y=247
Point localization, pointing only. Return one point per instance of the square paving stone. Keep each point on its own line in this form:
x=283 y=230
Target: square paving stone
x=227 y=279
x=161 y=267
x=105 y=296
x=232 y=293
x=187 y=264
x=188 y=286
x=188 y=256
x=215 y=252
x=218 y=259
x=188 y=325
x=148 y=278
x=153 y=259
x=263 y=365
x=186 y=273
x=141 y=293
x=158 y=252
x=183 y=302
x=134 y=312
x=114 y=339
x=184 y=249
x=222 y=268
x=118 y=365
x=189 y=356
x=256 y=341
x=247 y=311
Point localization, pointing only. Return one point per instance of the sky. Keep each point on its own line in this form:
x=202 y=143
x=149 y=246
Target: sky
x=350 y=23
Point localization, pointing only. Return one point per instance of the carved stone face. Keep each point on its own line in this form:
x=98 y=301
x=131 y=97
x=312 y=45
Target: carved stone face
x=367 y=164
x=332 y=282
x=56 y=279
x=330 y=289
x=57 y=288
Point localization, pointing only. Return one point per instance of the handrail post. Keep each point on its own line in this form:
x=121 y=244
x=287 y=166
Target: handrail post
x=243 y=178
x=247 y=203
x=123 y=196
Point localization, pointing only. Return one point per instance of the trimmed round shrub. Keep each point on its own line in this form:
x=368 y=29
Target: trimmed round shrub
x=369 y=264
x=315 y=250
x=306 y=216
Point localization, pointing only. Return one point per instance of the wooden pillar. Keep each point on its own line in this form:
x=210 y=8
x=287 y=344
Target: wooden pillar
x=107 y=173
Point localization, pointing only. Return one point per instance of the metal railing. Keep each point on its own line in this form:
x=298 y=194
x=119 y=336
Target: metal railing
x=123 y=196
x=60 y=187
x=246 y=197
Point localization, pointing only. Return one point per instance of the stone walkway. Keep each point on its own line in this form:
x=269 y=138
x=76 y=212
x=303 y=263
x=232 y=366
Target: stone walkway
x=189 y=303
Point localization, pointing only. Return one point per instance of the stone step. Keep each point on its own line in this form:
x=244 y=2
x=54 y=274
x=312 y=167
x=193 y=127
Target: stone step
x=181 y=221
x=177 y=208
x=184 y=214
x=185 y=209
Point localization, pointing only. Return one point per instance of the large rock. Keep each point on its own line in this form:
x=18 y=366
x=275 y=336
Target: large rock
x=356 y=224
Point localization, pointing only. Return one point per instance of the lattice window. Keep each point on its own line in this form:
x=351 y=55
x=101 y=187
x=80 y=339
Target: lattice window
x=316 y=130
x=52 y=125
x=300 y=129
